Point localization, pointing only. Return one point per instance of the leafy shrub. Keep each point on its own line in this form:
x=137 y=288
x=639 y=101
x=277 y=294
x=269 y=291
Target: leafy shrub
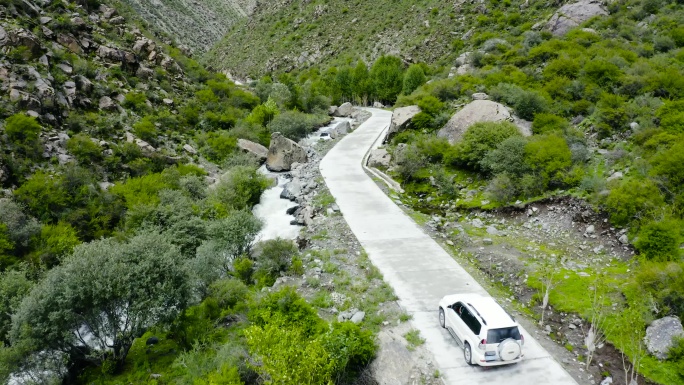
x=546 y=123
x=296 y=125
x=430 y=104
x=633 y=199
x=217 y=146
x=240 y=188
x=263 y=113
x=480 y=138
x=602 y=72
x=23 y=130
x=293 y=309
x=549 y=157
x=146 y=130
x=502 y=188
x=413 y=78
x=525 y=103
x=136 y=100
x=228 y=292
x=44 y=196
x=350 y=347
x=659 y=240
x=273 y=257
x=508 y=157
x=671 y=115
x=55 y=242
x=84 y=148
x=667 y=165
x=19 y=227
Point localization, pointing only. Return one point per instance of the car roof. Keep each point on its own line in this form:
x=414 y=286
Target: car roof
x=487 y=308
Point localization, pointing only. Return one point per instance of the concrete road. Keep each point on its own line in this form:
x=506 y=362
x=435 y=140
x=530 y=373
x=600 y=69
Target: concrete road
x=418 y=269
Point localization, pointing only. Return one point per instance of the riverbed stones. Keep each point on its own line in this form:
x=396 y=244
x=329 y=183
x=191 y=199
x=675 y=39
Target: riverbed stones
x=344 y=110
x=283 y=152
x=256 y=149
x=661 y=334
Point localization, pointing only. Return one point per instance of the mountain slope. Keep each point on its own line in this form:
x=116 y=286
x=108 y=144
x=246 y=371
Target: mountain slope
x=302 y=33
x=196 y=24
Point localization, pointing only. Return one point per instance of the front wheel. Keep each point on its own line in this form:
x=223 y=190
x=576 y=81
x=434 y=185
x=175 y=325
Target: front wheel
x=467 y=354
x=441 y=318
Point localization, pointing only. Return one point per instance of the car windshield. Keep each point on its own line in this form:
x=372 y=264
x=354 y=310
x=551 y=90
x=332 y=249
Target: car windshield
x=495 y=336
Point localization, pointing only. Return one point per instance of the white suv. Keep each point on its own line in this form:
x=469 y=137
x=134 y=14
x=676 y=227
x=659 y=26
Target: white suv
x=488 y=334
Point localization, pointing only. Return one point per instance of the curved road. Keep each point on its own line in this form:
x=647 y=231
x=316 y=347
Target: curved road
x=418 y=269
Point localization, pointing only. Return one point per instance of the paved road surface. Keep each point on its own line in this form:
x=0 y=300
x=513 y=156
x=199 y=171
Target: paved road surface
x=418 y=269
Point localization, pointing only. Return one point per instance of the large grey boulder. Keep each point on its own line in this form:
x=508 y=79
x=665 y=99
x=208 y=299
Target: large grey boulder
x=379 y=158
x=401 y=117
x=660 y=335
x=475 y=112
x=572 y=15
x=253 y=148
x=344 y=110
x=3 y=37
x=283 y=152
x=340 y=129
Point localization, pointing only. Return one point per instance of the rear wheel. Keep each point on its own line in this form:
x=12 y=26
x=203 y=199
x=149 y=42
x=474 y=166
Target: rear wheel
x=467 y=354
x=441 y=317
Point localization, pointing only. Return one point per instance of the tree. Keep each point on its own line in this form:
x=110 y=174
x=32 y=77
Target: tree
x=508 y=157
x=549 y=157
x=362 y=86
x=102 y=297
x=633 y=199
x=659 y=240
x=14 y=286
x=413 y=78
x=386 y=75
x=22 y=129
x=240 y=188
x=343 y=80
x=482 y=138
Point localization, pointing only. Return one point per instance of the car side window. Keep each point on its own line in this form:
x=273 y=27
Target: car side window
x=471 y=321
x=458 y=308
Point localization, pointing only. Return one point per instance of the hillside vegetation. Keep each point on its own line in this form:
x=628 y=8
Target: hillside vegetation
x=603 y=100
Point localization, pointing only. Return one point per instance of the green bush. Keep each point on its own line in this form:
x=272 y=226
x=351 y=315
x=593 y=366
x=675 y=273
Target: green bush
x=413 y=78
x=546 y=123
x=481 y=138
x=240 y=188
x=44 y=196
x=671 y=116
x=146 y=130
x=23 y=130
x=667 y=166
x=19 y=227
x=296 y=125
x=350 y=347
x=228 y=292
x=430 y=104
x=55 y=242
x=84 y=149
x=602 y=72
x=273 y=257
x=293 y=309
x=508 y=157
x=526 y=103
x=549 y=157
x=14 y=286
x=502 y=188
x=633 y=199
x=659 y=240
x=217 y=146
x=263 y=113
x=136 y=100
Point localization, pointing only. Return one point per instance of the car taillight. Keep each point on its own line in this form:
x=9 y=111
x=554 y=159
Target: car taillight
x=522 y=339
x=482 y=344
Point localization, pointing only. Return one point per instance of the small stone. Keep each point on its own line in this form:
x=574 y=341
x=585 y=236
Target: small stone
x=189 y=149
x=487 y=241
x=590 y=229
x=623 y=239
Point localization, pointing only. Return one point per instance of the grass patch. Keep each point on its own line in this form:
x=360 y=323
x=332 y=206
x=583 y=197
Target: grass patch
x=414 y=339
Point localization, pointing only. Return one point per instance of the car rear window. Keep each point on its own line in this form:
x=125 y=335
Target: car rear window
x=495 y=336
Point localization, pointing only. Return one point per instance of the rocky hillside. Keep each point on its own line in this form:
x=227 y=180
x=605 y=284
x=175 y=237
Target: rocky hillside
x=282 y=36
x=195 y=24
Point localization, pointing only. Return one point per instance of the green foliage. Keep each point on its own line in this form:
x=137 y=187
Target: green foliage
x=263 y=114
x=671 y=116
x=602 y=72
x=146 y=130
x=19 y=228
x=413 y=78
x=291 y=308
x=43 y=195
x=526 y=103
x=217 y=146
x=667 y=166
x=659 y=240
x=239 y=189
x=633 y=199
x=273 y=257
x=549 y=157
x=546 y=123
x=84 y=149
x=350 y=347
x=136 y=101
x=228 y=292
x=481 y=138
x=362 y=84
x=386 y=74
x=142 y=190
x=144 y=273
x=508 y=157
x=296 y=125
x=55 y=242
x=14 y=286
x=23 y=130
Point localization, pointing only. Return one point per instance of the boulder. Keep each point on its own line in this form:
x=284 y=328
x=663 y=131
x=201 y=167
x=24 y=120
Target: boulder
x=379 y=158
x=115 y=55
x=332 y=110
x=189 y=149
x=660 y=335
x=480 y=96
x=572 y=15
x=378 y=105
x=283 y=152
x=107 y=104
x=401 y=117
x=292 y=190
x=477 y=111
x=144 y=73
x=340 y=129
x=253 y=148
x=4 y=39
x=344 y=110
x=22 y=37
x=70 y=43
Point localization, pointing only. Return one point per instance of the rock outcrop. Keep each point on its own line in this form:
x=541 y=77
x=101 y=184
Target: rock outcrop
x=572 y=15
x=259 y=151
x=379 y=158
x=660 y=335
x=401 y=117
x=283 y=152
x=344 y=110
x=478 y=111
x=340 y=129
